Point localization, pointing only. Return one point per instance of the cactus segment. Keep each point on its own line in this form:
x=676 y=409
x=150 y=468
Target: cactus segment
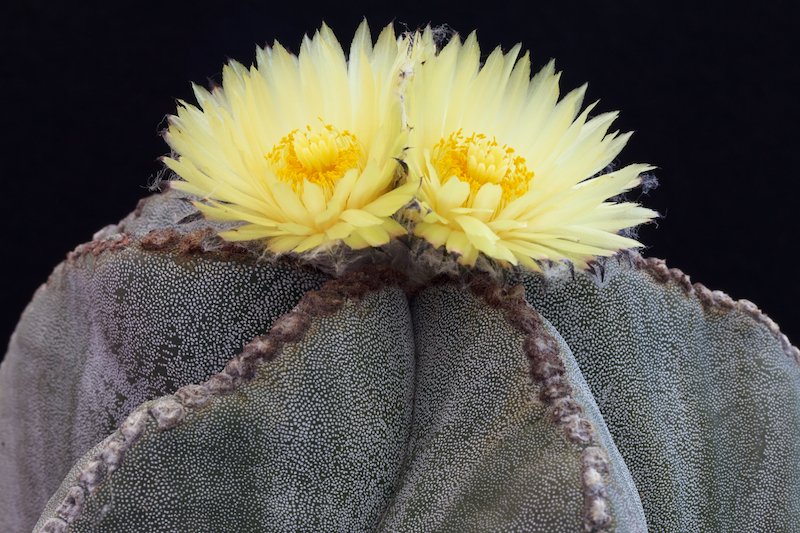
x=66 y=494
x=700 y=393
x=140 y=319
x=313 y=442
x=486 y=453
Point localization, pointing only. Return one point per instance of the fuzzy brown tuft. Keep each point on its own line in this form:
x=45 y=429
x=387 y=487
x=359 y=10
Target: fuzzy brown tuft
x=322 y=302
x=160 y=239
x=290 y=327
x=192 y=243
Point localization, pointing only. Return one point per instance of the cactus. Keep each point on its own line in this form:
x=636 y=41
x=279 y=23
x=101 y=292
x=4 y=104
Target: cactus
x=166 y=378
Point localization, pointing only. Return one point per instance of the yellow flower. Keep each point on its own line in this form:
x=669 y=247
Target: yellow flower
x=507 y=169
x=303 y=149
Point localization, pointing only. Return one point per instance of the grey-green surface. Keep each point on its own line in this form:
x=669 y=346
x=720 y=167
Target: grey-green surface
x=323 y=439
x=703 y=404
x=107 y=333
x=314 y=443
x=483 y=454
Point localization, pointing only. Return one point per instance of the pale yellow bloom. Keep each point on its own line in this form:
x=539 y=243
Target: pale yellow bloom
x=303 y=149
x=507 y=169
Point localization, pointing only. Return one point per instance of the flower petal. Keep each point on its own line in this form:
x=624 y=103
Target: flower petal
x=340 y=230
x=486 y=201
x=457 y=242
x=374 y=235
x=453 y=194
x=436 y=234
x=478 y=233
x=359 y=218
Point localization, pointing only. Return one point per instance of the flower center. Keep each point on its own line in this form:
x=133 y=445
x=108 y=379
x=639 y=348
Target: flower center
x=321 y=157
x=478 y=160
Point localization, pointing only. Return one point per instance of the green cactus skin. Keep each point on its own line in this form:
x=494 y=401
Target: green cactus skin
x=634 y=397
x=313 y=443
x=117 y=325
x=484 y=452
x=701 y=394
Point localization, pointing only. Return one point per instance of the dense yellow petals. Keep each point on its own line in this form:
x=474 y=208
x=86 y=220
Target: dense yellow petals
x=359 y=218
x=506 y=168
x=323 y=148
x=305 y=150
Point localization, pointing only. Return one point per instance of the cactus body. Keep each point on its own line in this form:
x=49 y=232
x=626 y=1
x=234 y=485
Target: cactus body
x=703 y=401
x=115 y=326
x=633 y=402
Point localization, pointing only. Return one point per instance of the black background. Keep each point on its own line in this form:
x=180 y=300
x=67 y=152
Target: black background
x=710 y=89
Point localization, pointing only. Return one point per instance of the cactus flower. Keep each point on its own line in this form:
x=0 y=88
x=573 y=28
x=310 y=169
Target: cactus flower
x=506 y=169
x=303 y=149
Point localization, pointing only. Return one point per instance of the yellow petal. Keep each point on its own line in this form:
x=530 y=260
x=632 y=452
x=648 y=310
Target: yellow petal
x=296 y=229
x=340 y=230
x=505 y=225
x=469 y=211
x=250 y=232
x=469 y=256
x=374 y=235
x=436 y=234
x=391 y=202
x=286 y=243
x=359 y=218
x=453 y=194
x=291 y=204
x=310 y=242
x=487 y=201
x=517 y=179
x=457 y=242
x=237 y=145
x=231 y=213
x=368 y=185
x=337 y=203
x=478 y=233
x=313 y=198
x=502 y=253
x=356 y=241
x=432 y=217
x=393 y=228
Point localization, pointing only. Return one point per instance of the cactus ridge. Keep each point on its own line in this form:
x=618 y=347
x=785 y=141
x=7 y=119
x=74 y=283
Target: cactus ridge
x=479 y=410
x=700 y=392
x=169 y=411
x=548 y=371
x=155 y=419
x=117 y=325
x=712 y=300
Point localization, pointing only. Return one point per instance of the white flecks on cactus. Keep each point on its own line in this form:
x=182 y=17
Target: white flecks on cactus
x=484 y=455
x=702 y=400
x=229 y=390
x=692 y=400
x=506 y=444
x=112 y=330
x=314 y=441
